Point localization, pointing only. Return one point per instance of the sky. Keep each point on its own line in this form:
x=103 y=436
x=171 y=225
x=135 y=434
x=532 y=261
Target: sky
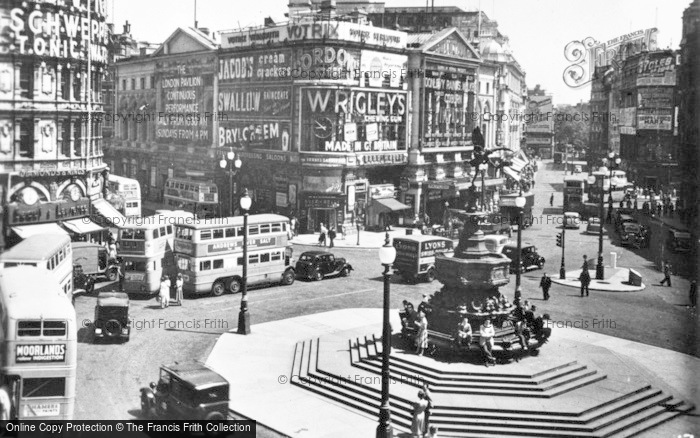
x=538 y=30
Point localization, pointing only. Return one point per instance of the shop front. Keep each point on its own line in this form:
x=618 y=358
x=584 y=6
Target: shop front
x=384 y=210
x=322 y=208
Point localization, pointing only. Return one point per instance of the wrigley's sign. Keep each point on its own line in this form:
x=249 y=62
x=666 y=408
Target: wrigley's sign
x=316 y=30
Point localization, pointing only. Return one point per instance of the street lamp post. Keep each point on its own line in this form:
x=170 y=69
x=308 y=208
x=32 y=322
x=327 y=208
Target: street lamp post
x=243 y=315
x=234 y=165
x=613 y=161
x=519 y=203
x=387 y=255
x=562 y=268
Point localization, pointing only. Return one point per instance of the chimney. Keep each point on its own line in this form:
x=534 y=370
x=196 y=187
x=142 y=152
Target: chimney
x=327 y=9
x=204 y=30
x=127 y=28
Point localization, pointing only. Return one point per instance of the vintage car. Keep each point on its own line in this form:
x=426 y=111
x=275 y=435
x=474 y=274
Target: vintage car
x=316 y=265
x=630 y=234
x=594 y=226
x=189 y=391
x=528 y=257
x=572 y=220
x=112 y=317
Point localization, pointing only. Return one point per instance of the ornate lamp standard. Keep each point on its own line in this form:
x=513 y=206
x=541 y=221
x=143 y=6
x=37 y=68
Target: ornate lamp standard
x=234 y=165
x=519 y=203
x=613 y=161
x=243 y=316
x=387 y=255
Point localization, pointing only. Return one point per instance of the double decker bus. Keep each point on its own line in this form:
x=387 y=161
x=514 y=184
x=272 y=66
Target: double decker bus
x=38 y=345
x=145 y=246
x=199 y=197
x=130 y=190
x=574 y=188
x=209 y=253
x=48 y=252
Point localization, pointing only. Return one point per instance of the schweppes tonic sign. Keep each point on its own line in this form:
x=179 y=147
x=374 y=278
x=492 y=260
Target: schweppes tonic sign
x=40 y=353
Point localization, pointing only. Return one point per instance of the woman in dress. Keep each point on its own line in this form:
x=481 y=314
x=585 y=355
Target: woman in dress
x=418 y=423
x=422 y=336
x=164 y=293
x=178 y=288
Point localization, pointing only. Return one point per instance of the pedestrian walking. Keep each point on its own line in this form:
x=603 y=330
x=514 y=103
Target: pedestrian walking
x=418 y=421
x=164 y=293
x=331 y=236
x=112 y=255
x=293 y=225
x=342 y=231
x=179 y=282
x=545 y=284
x=693 y=293
x=322 y=236
x=667 y=274
x=551 y=200
x=585 y=279
x=428 y=398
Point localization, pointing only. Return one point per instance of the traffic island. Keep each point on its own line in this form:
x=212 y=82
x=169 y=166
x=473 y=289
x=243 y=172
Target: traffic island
x=621 y=280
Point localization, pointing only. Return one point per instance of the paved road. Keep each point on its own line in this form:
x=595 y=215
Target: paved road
x=110 y=375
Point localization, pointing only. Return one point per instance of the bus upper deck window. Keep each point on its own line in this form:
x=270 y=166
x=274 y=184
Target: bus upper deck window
x=155 y=233
x=264 y=229
x=29 y=328
x=54 y=328
x=170 y=229
x=219 y=233
x=127 y=234
x=276 y=228
x=205 y=235
x=163 y=233
x=230 y=232
x=253 y=230
x=139 y=235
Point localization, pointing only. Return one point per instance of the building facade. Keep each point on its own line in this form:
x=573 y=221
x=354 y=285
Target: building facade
x=52 y=61
x=539 y=123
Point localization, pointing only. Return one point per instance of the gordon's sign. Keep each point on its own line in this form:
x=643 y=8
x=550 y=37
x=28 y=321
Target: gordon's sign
x=33 y=353
x=316 y=30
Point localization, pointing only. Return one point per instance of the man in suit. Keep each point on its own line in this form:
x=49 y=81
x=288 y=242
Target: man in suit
x=545 y=284
x=585 y=279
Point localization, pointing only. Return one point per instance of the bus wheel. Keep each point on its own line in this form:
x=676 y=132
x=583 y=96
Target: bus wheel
x=218 y=288
x=112 y=275
x=288 y=277
x=430 y=276
x=235 y=286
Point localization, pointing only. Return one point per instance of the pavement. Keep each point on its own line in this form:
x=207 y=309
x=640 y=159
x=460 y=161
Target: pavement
x=367 y=240
x=616 y=282
x=260 y=366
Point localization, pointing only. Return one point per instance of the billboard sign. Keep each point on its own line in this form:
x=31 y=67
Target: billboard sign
x=656 y=69
x=258 y=134
x=539 y=114
x=255 y=101
x=445 y=103
x=269 y=65
x=379 y=68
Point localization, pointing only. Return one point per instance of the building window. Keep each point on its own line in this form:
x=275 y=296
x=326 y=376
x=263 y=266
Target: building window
x=77 y=83
x=65 y=84
x=133 y=83
x=143 y=83
x=123 y=84
x=64 y=137
x=153 y=82
x=487 y=88
x=26 y=79
x=26 y=138
x=78 y=138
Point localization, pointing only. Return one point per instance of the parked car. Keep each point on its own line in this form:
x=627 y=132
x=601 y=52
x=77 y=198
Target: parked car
x=594 y=226
x=528 y=257
x=316 y=265
x=496 y=242
x=622 y=220
x=415 y=256
x=190 y=390
x=112 y=317
x=630 y=233
x=572 y=220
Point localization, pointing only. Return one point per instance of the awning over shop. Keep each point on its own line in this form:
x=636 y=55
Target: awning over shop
x=389 y=204
x=107 y=211
x=25 y=231
x=82 y=226
x=518 y=164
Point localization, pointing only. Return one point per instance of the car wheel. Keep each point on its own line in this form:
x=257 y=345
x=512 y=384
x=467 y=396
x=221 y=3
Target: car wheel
x=112 y=275
x=345 y=272
x=430 y=276
x=235 y=286
x=145 y=406
x=318 y=275
x=218 y=289
x=161 y=409
x=288 y=278
x=215 y=416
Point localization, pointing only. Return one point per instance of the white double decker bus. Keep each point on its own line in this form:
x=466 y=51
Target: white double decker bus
x=209 y=253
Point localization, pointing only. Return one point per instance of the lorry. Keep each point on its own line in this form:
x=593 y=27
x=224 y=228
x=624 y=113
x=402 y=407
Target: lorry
x=510 y=211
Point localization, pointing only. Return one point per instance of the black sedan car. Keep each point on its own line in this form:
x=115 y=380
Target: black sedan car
x=528 y=257
x=316 y=265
